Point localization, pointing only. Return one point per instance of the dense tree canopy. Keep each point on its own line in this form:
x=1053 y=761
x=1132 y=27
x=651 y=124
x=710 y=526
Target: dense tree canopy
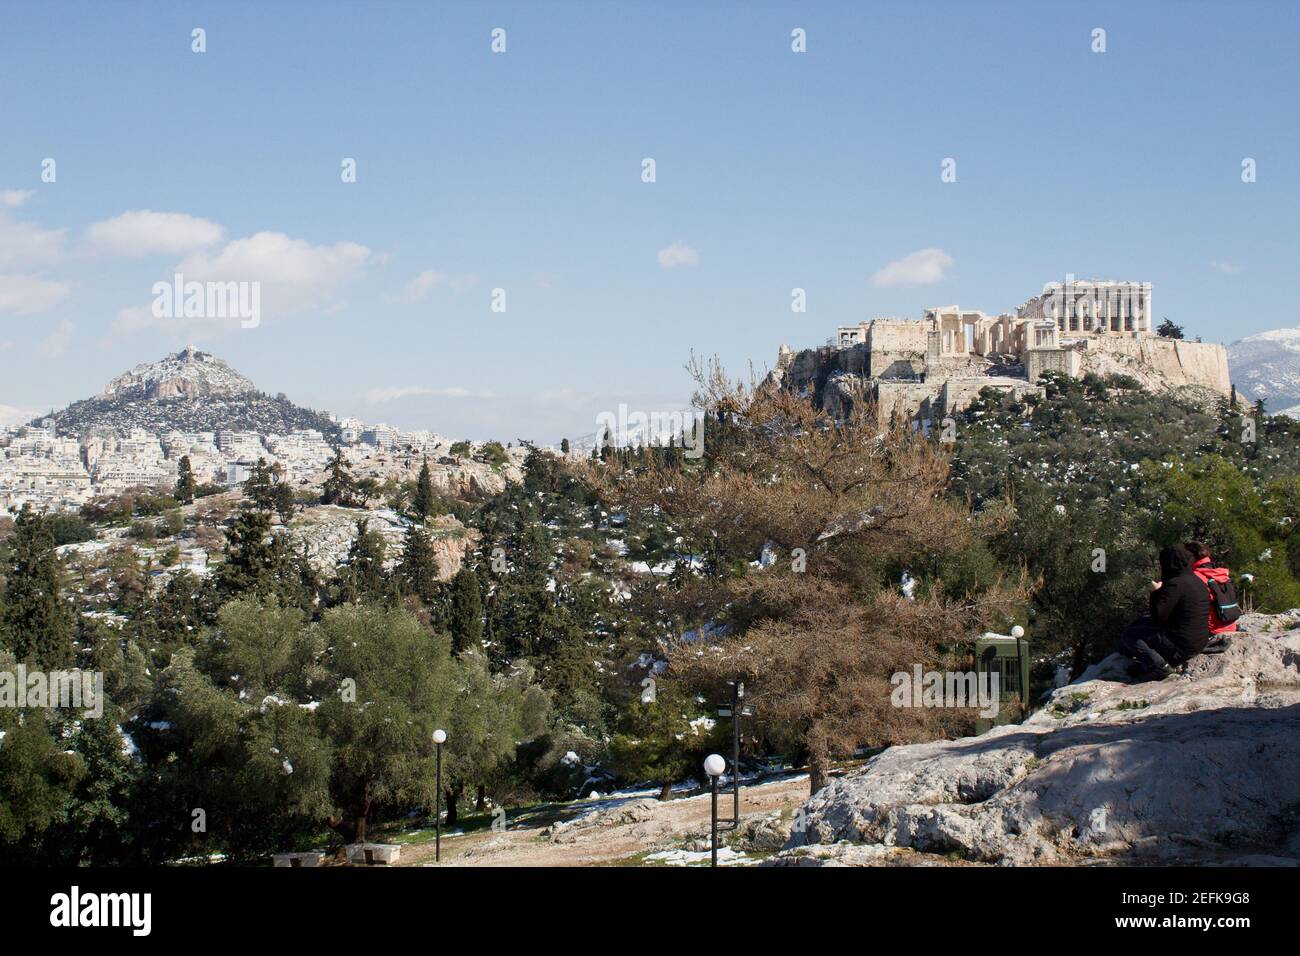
x=598 y=612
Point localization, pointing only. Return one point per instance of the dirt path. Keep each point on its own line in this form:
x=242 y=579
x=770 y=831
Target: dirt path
x=609 y=831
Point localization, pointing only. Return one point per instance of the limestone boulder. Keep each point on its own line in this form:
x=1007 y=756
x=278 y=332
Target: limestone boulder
x=1201 y=767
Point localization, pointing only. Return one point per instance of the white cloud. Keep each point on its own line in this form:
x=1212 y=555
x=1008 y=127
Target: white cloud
x=1226 y=268
x=143 y=232
x=430 y=279
x=678 y=254
x=291 y=275
x=377 y=396
x=12 y=198
x=923 y=267
x=274 y=257
x=27 y=294
x=16 y=415
x=56 y=343
x=294 y=274
x=25 y=243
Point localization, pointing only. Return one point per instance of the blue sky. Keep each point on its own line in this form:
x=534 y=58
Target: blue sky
x=522 y=171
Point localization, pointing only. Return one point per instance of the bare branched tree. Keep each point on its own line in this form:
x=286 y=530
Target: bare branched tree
x=804 y=527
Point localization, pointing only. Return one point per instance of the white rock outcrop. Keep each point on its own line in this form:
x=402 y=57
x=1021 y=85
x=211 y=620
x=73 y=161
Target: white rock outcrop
x=1202 y=767
x=326 y=532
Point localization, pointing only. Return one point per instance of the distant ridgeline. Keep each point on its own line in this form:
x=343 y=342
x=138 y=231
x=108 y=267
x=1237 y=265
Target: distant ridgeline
x=189 y=391
x=1267 y=365
x=930 y=368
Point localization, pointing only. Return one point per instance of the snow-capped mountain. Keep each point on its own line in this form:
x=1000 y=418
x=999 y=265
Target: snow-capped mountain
x=188 y=391
x=1267 y=365
x=189 y=373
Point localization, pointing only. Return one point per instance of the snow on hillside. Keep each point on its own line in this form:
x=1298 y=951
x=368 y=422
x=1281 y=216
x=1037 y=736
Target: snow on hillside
x=1267 y=365
x=188 y=391
x=189 y=373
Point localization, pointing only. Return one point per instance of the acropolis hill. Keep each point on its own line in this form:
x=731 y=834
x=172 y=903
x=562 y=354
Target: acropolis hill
x=930 y=367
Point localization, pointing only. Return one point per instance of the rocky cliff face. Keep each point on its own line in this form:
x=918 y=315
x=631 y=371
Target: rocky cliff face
x=1201 y=767
x=827 y=376
x=1161 y=364
x=189 y=373
x=327 y=532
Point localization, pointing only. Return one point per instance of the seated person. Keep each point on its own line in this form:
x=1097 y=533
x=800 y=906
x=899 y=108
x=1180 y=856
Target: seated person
x=1203 y=567
x=1178 y=625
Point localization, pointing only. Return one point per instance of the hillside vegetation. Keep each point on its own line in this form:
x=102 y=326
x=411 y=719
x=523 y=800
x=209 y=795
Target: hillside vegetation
x=599 y=612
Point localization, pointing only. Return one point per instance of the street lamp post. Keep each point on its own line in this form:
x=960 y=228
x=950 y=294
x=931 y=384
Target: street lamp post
x=738 y=695
x=1018 y=632
x=714 y=765
x=736 y=709
x=439 y=738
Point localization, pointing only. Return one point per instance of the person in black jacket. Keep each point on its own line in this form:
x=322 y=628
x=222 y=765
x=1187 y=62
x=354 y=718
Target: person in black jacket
x=1177 y=627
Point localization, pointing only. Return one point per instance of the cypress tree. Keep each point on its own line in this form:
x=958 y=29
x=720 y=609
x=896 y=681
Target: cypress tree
x=340 y=487
x=38 y=625
x=259 y=488
x=363 y=578
x=185 y=484
x=466 y=613
x=422 y=501
x=417 y=569
x=250 y=558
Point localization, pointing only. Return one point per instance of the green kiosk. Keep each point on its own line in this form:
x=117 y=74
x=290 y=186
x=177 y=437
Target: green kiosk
x=1006 y=655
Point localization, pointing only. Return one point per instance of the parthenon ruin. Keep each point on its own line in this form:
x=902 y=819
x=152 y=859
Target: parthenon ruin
x=940 y=362
x=1092 y=306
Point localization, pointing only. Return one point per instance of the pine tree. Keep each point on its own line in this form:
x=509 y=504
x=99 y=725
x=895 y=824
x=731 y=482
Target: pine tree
x=340 y=487
x=37 y=625
x=250 y=559
x=282 y=501
x=465 y=618
x=362 y=580
x=259 y=487
x=1168 y=329
x=491 y=715
x=659 y=741
x=521 y=595
x=381 y=753
x=417 y=568
x=564 y=445
x=422 y=501
x=37 y=776
x=185 y=484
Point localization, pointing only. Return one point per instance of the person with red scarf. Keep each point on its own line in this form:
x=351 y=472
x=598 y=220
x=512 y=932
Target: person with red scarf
x=1203 y=567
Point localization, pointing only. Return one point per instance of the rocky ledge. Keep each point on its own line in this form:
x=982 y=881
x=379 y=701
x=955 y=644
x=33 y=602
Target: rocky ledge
x=1200 y=768
x=326 y=532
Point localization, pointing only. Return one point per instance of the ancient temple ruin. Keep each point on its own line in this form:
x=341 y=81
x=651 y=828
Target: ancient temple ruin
x=930 y=367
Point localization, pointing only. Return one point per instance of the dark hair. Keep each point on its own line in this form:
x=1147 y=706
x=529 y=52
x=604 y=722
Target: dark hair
x=1174 y=560
x=1197 y=550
